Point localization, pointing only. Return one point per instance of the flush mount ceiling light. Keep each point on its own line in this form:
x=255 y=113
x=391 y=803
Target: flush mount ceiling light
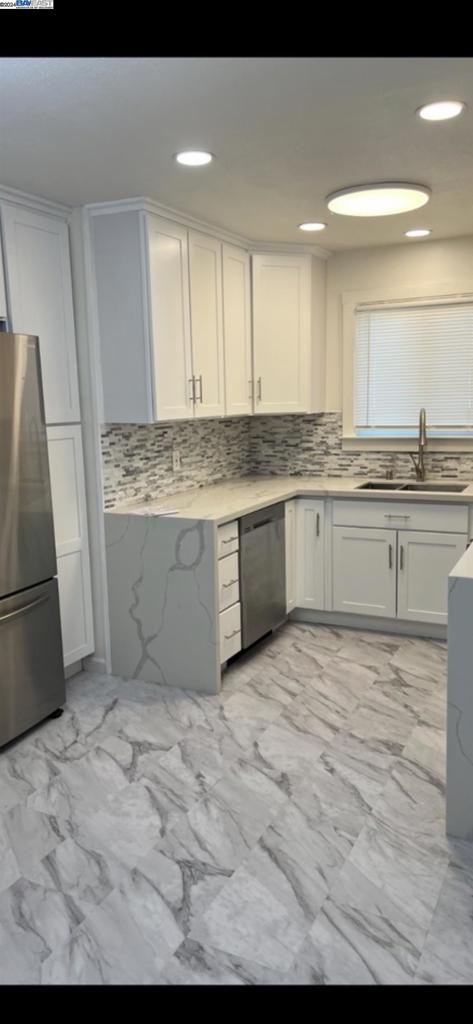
x=418 y=233
x=378 y=200
x=314 y=225
x=193 y=158
x=442 y=110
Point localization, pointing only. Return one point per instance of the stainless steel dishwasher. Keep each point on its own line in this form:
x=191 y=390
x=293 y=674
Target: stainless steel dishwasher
x=262 y=572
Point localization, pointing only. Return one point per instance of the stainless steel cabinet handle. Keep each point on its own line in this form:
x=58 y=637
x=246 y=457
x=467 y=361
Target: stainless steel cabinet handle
x=260 y=389
x=391 y=515
x=24 y=608
x=401 y=557
x=390 y=556
x=199 y=396
x=229 y=637
x=230 y=540
x=192 y=383
x=317 y=527
x=229 y=584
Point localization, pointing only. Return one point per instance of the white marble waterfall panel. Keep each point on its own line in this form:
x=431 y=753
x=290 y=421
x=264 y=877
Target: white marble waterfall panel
x=460 y=704
x=162 y=585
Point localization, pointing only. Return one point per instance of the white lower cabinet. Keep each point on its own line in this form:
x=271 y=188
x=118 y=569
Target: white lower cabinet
x=424 y=562
x=364 y=571
x=310 y=531
x=291 y=554
x=66 y=468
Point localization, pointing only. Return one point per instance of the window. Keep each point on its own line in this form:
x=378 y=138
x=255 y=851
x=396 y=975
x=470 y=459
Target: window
x=413 y=355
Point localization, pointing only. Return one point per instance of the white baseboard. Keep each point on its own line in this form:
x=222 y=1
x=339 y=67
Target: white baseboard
x=380 y=625
x=98 y=666
x=73 y=670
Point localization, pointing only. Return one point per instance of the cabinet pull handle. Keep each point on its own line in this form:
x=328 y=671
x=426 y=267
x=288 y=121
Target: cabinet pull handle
x=199 y=396
x=317 y=527
x=401 y=557
x=230 y=540
x=192 y=383
x=260 y=389
x=231 y=635
x=390 y=556
x=391 y=515
x=229 y=584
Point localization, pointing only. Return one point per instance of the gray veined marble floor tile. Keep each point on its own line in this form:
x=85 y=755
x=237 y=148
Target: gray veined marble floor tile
x=402 y=866
x=222 y=827
x=80 y=873
x=362 y=764
x=247 y=920
x=125 y=940
x=34 y=921
x=421 y=658
x=359 y=938
x=381 y=720
x=22 y=771
x=81 y=789
x=9 y=870
x=447 y=957
x=187 y=886
x=28 y=836
x=196 y=964
x=287 y=751
x=129 y=825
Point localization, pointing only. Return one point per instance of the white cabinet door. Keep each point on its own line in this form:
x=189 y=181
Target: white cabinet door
x=170 y=318
x=39 y=282
x=310 y=531
x=205 y=271
x=72 y=546
x=364 y=571
x=237 y=331
x=281 y=332
x=424 y=561
x=291 y=555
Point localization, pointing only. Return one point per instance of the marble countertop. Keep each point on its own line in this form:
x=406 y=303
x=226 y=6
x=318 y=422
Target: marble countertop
x=237 y=497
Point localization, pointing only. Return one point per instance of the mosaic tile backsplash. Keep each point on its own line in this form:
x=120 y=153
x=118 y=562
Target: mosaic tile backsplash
x=137 y=459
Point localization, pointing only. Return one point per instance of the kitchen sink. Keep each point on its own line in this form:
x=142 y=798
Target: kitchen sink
x=391 y=485
x=379 y=485
x=435 y=488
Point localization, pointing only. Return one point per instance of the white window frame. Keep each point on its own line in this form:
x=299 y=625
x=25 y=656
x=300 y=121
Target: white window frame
x=442 y=291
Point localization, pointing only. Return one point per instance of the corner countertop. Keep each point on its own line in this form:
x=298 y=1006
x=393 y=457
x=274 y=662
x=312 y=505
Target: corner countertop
x=233 y=498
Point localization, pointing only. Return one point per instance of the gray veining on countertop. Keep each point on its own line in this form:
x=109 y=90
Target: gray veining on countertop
x=237 y=497
x=288 y=830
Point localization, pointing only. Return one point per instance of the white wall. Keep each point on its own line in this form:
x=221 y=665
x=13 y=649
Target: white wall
x=408 y=265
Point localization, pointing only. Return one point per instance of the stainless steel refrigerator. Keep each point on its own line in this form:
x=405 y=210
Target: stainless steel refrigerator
x=31 y=662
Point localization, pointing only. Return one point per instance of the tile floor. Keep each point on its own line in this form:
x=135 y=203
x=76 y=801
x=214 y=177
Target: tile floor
x=289 y=831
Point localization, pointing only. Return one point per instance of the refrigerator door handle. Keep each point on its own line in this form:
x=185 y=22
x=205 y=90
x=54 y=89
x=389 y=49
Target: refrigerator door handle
x=24 y=608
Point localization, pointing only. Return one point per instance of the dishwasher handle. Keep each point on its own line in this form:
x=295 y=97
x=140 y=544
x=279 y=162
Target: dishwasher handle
x=264 y=517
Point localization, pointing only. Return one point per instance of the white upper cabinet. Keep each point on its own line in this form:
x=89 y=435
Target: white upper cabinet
x=205 y=274
x=170 y=317
x=237 y=331
x=38 y=274
x=282 y=339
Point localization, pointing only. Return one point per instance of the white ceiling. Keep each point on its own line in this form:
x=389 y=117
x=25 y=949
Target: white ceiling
x=285 y=131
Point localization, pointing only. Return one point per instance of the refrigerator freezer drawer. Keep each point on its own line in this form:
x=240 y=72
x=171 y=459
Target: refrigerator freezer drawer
x=31 y=667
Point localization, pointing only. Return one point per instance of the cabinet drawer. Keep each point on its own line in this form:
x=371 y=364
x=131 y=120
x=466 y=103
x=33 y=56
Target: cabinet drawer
x=401 y=515
x=227 y=538
x=228 y=581
x=230 y=632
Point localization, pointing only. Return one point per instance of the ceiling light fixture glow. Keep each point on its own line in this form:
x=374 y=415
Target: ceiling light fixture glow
x=382 y=199
x=441 y=111
x=193 y=158
x=418 y=233
x=312 y=226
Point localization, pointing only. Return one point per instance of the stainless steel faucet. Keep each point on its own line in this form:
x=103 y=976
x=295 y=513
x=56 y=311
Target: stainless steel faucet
x=419 y=462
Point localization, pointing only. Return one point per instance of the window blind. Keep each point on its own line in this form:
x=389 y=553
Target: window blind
x=411 y=356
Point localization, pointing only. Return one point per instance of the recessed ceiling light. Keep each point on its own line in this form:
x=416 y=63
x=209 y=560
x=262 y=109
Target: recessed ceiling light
x=312 y=226
x=418 y=233
x=378 y=200
x=441 y=111
x=193 y=158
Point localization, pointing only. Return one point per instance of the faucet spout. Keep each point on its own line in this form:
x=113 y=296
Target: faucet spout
x=419 y=465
